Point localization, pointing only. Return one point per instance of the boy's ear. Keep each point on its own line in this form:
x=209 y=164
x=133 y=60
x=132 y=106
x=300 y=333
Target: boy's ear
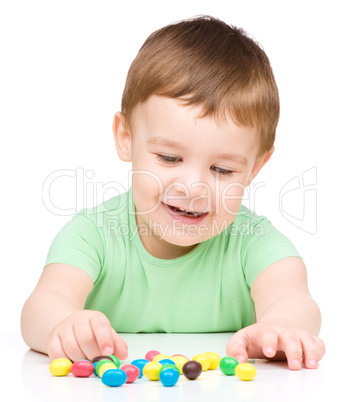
x=260 y=162
x=122 y=137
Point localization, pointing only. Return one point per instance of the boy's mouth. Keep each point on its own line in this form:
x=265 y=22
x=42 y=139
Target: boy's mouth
x=185 y=212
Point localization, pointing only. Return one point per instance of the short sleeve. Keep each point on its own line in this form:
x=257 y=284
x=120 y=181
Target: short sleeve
x=78 y=243
x=264 y=246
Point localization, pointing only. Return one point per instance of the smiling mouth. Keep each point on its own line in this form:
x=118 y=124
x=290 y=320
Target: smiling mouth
x=185 y=212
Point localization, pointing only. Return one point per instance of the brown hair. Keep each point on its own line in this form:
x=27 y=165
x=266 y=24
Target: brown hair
x=209 y=64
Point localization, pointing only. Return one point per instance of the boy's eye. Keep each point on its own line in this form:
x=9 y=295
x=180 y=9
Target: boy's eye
x=174 y=159
x=222 y=171
x=167 y=158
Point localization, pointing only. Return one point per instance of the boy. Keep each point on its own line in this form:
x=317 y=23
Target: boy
x=178 y=252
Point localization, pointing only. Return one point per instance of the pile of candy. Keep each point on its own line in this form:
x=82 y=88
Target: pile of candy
x=155 y=366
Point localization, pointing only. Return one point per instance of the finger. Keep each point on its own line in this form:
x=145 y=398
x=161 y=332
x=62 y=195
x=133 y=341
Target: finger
x=321 y=348
x=269 y=341
x=120 y=346
x=292 y=347
x=86 y=338
x=102 y=330
x=313 y=351
x=70 y=345
x=237 y=347
x=55 y=349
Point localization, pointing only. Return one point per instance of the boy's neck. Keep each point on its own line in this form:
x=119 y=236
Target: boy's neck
x=161 y=249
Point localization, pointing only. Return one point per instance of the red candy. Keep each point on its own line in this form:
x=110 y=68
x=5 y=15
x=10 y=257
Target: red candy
x=82 y=368
x=132 y=372
x=151 y=354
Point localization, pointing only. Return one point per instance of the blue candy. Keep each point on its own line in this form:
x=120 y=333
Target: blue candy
x=166 y=361
x=94 y=365
x=114 y=377
x=140 y=363
x=169 y=377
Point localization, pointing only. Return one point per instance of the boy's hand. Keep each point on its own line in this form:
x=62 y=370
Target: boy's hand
x=279 y=342
x=84 y=335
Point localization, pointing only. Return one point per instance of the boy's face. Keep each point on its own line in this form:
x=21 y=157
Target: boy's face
x=180 y=160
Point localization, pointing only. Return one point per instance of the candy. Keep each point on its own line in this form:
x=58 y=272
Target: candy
x=115 y=360
x=159 y=357
x=192 y=369
x=140 y=363
x=102 y=357
x=162 y=368
x=105 y=367
x=181 y=356
x=132 y=371
x=60 y=367
x=114 y=377
x=214 y=359
x=82 y=368
x=100 y=363
x=151 y=354
x=166 y=361
x=94 y=366
x=179 y=361
x=169 y=366
x=169 y=377
x=201 y=358
x=228 y=365
x=245 y=371
x=152 y=371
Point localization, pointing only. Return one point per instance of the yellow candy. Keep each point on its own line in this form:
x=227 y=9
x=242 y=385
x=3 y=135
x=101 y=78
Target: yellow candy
x=159 y=357
x=152 y=371
x=105 y=367
x=204 y=360
x=245 y=371
x=179 y=361
x=214 y=359
x=60 y=367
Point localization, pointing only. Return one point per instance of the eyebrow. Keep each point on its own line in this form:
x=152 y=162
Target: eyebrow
x=226 y=155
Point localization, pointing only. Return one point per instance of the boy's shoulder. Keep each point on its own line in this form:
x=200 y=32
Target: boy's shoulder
x=247 y=215
x=248 y=224
x=111 y=206
x=111 y=213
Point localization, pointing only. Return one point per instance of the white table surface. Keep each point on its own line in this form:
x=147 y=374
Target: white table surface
x=25 y=374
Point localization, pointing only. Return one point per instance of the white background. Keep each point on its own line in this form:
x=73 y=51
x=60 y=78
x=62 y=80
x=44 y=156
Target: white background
x=62 y=71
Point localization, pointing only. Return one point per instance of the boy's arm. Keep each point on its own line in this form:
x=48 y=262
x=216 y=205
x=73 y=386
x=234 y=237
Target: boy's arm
x=288 y=319
x=53 y=320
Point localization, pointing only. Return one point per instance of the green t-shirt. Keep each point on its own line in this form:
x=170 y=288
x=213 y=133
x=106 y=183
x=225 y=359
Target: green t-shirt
x=205 y=290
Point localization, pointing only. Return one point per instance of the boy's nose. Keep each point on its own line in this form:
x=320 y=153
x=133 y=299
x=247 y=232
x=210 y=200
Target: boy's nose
x=179 y=189
x=190 y=188
x=189 y=195
x=195 y=180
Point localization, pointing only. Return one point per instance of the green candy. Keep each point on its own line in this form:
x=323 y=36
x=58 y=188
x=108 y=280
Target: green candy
x=168 y=366
x=115 y=360
x=228 y=365
x=101 y=363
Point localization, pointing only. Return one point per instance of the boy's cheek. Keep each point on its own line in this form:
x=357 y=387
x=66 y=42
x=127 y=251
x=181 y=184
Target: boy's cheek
x=231 y=200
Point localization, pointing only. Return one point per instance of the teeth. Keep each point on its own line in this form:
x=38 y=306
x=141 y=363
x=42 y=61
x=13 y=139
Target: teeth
x=187 y=212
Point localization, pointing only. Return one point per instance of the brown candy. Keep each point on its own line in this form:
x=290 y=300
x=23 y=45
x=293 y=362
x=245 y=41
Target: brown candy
x=98 y=358
x=192 y=369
